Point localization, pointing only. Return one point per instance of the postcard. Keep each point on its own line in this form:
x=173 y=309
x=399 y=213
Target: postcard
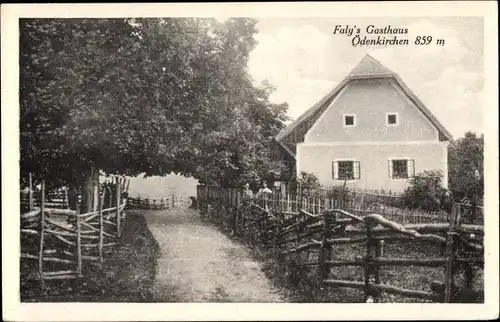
x=250 y=161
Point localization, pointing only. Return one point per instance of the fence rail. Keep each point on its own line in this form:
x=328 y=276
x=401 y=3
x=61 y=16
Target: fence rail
x=311 y=238
x=54 y=199
x=362 y=201
x=318 y=200
x=157 y=204
x=61 y=239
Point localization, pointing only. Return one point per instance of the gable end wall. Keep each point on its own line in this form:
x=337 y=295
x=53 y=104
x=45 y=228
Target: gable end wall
x=370 y=100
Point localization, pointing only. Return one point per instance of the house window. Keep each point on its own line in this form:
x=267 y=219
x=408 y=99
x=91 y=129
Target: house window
x=401 y=168
x=346 y=170
x=391 y=119
x=349 y=120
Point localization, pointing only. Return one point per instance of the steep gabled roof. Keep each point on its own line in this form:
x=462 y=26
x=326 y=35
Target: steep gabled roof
x=367 y=68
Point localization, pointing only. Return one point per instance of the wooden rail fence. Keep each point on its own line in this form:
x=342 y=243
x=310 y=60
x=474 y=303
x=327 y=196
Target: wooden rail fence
x=312 y=238
x=157 y=204
x=61 y=240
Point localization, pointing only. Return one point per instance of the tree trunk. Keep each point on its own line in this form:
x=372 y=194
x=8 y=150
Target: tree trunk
x=72 y=196
x=89 y=197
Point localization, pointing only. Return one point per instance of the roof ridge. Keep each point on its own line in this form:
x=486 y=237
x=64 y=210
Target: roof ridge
x=368 y=65
x=374 y=59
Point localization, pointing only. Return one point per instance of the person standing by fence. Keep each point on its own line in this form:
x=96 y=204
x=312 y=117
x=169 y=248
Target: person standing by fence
x=247 y=193
x=263 y=194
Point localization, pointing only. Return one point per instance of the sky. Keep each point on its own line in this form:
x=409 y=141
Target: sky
x=304 y=60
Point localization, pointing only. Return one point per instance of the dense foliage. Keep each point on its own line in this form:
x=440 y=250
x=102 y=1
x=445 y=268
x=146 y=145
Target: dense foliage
x=308 y=180
x=425 y=191
x=465 y=176
x=465 y=157
x=150 y=96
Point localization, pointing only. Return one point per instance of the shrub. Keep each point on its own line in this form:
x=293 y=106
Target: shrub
x=424 y=191
x=309 y=180
x=343 y=196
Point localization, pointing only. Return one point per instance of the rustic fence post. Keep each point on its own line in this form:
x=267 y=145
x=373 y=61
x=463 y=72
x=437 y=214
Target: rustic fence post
x=288 y=205
x=118 y=228
x=101 y=226
x=277 y=230
x=249 y=225
x=196 y=201
x=324 y=254
x=244 y=220
x=42 y=231
x=78 y=242
x=30 y=192
x=474 y=208
x=273 y=199
x=221 y=212
x=451 y=239
x=235 y=212
x=371 y=245
x=128 y=185
x=206 y=202
x=378 y=254
x=110 y=191
x=65 y=198
x=299 y=197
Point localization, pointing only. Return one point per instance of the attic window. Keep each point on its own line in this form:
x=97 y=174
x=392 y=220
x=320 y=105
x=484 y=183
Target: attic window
x=391 y=119
x=349 y=120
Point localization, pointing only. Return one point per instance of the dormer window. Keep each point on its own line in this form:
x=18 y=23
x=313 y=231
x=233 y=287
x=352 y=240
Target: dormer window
x=349 y=120
x=391 y=119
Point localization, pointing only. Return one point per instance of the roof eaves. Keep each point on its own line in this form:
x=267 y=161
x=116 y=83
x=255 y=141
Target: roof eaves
x=287 y=149
x=423 y=108
x=287 y=130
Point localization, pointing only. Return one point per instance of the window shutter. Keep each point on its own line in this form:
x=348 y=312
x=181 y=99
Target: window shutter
x=411 y=168
x=390 y=168
x=356 y=169
x=335 y=170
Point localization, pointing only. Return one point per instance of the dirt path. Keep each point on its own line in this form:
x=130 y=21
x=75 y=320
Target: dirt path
x=197 y=263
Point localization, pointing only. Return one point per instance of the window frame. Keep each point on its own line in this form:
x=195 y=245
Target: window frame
x=410 y=162
x=356 y=169
x=387 y=114
x=344 y=120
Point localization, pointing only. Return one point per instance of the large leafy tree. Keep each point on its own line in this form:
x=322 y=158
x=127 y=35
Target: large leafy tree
x=143 y=95
x=76 y=99
x=465 y=157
